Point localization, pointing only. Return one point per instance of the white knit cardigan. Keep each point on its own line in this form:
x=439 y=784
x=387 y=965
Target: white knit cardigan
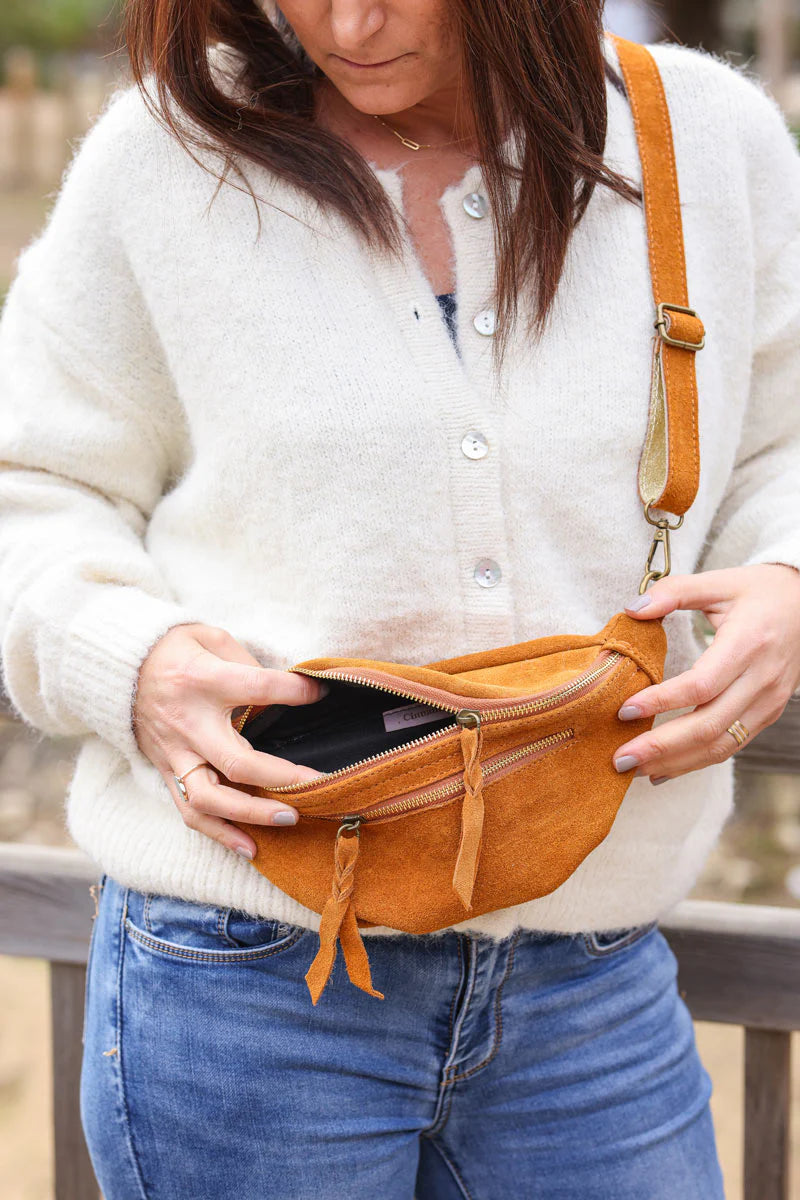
x=266 y=435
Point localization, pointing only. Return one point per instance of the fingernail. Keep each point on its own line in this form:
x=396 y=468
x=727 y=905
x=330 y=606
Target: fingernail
x=656 y=779
x=324 y=688
x=625 y=762
x=245 y=851
x=629 y=712
x=284 y=817
x=638 y=603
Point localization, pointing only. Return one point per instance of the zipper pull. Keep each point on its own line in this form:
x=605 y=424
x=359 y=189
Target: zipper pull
x=472 y=809
x=338 y=922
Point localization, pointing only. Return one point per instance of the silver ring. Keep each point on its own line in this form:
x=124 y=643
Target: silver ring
x=180 y=778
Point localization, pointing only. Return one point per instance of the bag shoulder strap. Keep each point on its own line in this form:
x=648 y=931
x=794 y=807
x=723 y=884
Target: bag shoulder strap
x=669 y=467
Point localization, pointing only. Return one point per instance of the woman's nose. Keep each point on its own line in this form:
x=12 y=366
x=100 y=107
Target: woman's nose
x=353 y=22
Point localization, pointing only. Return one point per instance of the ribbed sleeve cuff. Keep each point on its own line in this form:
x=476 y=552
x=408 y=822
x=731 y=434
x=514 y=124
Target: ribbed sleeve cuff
x=107 y=642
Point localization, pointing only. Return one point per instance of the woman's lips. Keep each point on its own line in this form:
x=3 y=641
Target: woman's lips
x=368 y=66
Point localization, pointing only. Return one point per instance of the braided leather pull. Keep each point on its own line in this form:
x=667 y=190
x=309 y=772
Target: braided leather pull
x=669 y=467
x=472 y=811
x=338 y=922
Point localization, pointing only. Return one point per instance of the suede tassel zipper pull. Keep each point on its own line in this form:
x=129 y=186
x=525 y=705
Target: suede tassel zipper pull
x=338 y=921
x=466 y=868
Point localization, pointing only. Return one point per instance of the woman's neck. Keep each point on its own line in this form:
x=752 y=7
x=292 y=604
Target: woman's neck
x=379 y=145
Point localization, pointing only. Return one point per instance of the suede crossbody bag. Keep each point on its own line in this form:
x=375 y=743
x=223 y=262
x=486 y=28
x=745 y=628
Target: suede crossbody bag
x=483 y=781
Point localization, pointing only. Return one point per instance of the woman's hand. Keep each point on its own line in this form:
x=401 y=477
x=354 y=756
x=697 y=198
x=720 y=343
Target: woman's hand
x=748 y=673
x=189 y=684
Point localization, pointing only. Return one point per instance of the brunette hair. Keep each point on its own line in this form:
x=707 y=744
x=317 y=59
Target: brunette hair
x=540 y=62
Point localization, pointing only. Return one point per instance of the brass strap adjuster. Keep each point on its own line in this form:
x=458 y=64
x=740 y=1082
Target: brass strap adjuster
x=660 y=324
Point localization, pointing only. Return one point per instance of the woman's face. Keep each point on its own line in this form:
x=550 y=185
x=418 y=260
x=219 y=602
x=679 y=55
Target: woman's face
x=382 y=55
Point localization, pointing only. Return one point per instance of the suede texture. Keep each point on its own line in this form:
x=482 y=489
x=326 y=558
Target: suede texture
x=542 y=817
x=501 y=839
x=668 y=274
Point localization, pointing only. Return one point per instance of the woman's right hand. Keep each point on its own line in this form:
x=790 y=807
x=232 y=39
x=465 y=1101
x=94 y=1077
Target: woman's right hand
x=189 y=685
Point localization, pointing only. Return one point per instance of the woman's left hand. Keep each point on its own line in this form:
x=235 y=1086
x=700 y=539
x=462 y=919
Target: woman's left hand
x=748 y=672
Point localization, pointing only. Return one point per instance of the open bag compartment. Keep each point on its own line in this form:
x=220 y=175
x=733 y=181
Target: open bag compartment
x=352 y=722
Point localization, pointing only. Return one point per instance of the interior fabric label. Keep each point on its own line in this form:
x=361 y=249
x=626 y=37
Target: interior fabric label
x=410 y=714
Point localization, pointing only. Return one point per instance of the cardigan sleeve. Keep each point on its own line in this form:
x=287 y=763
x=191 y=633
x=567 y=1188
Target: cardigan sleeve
x=758 y=519
x=90 y=438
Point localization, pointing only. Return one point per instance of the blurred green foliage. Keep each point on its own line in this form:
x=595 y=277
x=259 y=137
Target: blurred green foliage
x=52 y=25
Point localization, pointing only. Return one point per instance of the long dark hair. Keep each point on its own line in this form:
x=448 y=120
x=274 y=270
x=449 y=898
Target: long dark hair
x=540 y=62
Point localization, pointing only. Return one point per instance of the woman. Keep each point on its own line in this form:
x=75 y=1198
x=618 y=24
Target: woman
x=238 y=431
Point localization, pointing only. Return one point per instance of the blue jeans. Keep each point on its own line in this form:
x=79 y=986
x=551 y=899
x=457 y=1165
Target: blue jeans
x=540 y=1066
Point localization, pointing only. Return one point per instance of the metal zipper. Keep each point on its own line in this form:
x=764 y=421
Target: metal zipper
x=456 y=785
x=489 y=714
x=510 y=710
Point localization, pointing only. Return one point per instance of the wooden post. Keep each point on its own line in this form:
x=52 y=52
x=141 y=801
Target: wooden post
x=74 y=1176
x=772 y=40
x=767 y=1105
x=20 y=73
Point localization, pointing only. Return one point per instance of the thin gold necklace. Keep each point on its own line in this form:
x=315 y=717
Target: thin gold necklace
x=412 y=145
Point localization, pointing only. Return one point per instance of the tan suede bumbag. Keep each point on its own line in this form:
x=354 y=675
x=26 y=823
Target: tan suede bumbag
x=483 y=781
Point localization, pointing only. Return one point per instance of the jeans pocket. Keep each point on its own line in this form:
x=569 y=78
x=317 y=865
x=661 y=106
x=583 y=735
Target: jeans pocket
x=243 y=930
x=197 y=932
x=605 y=943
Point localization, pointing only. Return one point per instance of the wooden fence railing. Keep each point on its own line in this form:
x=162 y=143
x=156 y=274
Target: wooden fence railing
x=739 y=964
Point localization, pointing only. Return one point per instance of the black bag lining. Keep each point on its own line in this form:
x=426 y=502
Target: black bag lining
x=337 y=731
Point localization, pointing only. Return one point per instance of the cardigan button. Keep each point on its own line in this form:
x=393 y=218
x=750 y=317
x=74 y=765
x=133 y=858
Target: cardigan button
x=484 y=322
x=487 y=572
x=474 y=444
x=475 y=205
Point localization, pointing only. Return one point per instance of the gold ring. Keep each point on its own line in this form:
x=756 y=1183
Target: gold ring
x=739 y=731
x=180 y=778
